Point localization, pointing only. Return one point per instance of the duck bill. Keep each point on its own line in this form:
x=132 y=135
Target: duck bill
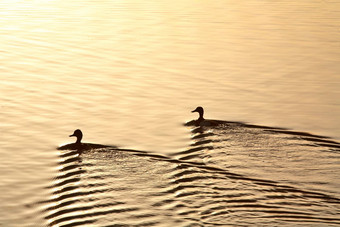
x=72 y=135
x=193 y=111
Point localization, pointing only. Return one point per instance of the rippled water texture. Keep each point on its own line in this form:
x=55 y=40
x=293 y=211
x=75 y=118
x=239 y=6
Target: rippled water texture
x=129 y=73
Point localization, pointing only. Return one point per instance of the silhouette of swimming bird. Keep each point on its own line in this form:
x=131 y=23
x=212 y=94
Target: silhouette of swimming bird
x=200 y=111
x=78 y=145
x=201 y=121
x=77 y=133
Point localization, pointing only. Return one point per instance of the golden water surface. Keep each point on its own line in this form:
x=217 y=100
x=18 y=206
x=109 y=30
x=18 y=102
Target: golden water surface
x=128 y=74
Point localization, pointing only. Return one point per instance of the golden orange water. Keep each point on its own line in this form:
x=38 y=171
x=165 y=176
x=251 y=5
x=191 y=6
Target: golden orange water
x=128 y=73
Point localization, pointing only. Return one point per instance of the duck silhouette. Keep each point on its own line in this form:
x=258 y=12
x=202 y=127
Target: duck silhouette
x=200 y=111
x=201 y=121
x=77 y=133
x=78 y=145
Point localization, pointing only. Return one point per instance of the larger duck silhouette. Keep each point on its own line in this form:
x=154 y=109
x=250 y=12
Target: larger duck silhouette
x=201 y=121
x=78 y=145
x=77 y=133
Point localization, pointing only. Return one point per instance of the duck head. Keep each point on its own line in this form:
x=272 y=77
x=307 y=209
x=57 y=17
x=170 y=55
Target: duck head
x=200 y=111
x=77 y=133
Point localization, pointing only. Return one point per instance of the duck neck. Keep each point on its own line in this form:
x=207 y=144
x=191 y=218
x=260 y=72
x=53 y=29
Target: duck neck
x=79 y=139
x=201 y=118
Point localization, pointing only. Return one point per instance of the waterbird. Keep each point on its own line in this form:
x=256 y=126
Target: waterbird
x=77 y=133
x=201 y=121
x=78 y=145
x=205 y=122
x=200 y=111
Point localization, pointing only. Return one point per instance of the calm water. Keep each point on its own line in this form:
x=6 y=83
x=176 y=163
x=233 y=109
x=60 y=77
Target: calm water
x=128 y=73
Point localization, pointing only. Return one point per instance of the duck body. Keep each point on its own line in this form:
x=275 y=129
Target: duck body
x=209 y=123
x=204 y=123
x=82 y=146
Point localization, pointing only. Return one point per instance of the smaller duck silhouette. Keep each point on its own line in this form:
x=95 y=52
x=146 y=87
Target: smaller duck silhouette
x=78 y=145
x=201 y=121
x=200 y=111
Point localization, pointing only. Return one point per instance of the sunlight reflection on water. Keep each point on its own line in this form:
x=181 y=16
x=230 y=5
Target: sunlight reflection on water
x=128 y=73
